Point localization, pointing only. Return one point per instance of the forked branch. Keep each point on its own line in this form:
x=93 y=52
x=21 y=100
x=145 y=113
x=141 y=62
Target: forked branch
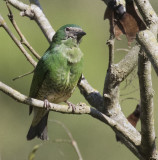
x=16 y=41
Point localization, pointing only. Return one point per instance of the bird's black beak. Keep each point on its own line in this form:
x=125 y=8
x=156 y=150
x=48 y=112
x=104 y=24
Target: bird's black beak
x=81 y=33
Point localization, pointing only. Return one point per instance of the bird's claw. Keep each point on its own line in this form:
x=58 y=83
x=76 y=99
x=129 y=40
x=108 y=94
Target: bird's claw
x=71 y=105
x=46 y=104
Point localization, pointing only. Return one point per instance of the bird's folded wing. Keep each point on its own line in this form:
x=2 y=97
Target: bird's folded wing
x=39 y=75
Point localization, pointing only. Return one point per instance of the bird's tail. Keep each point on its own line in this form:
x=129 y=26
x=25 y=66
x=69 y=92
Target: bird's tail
x=40 y=130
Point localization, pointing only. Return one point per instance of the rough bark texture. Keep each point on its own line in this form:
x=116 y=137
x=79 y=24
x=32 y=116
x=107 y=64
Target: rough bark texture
x=148 y=147
x=149 y=43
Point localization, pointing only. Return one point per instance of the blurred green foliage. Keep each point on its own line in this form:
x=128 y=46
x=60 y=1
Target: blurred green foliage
x=95 y=140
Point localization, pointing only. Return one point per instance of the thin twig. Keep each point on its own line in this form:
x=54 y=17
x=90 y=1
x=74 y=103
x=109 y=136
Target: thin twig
x=16 y=41
x=36 y=147
x=34 y=12
x=23 y=39
x=61 y=141
x=122 y=49
x=73 y=142
x=22 y=75
x=131 y=98
x=125 y=94
x=110 y=44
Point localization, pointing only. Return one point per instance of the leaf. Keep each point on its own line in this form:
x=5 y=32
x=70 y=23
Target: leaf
x=128 y=24
x=134 y=117
x=33 y=152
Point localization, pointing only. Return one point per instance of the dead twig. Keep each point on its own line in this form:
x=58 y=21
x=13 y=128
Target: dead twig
x=22 y=75
x=17 y=42
x=73 y=142
x=23 y=39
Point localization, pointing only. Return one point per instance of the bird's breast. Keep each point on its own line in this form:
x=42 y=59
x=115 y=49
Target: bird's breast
x=58 y=87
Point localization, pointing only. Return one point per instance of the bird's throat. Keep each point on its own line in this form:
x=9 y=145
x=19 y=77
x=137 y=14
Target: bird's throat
x=70 y=51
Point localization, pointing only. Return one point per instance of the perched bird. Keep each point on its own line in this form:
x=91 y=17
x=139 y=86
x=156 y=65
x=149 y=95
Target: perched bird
x=56 y=75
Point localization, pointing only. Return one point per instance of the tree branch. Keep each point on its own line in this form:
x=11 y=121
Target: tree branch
x=80 y=108
x=110 y=44
x=115 y=75
x=133 y=140
x=93 y=96
x=149 y=43
x=16 y=41
x=23 y=75
x=34 y=12
x=72 y=140
x=148 y=147
x=36 y=2
x=148 y=14
x=146 y=38
x=127 y=64
x=23 y=39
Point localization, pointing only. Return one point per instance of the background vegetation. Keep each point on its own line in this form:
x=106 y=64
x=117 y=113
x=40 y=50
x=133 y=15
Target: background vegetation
x=95 y=140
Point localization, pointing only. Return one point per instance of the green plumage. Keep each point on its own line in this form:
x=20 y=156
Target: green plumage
x=56 y=75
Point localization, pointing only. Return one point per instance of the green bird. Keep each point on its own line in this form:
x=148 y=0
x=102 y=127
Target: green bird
x=56 y=75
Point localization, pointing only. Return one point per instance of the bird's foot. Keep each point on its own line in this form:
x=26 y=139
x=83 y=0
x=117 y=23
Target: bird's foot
x=71 y=105
x=46 y=104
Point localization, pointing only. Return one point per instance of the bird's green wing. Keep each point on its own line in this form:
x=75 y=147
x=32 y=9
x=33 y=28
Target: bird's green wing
x=40 y=73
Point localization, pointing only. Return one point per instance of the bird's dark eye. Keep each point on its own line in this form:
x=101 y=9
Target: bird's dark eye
x=67 y=29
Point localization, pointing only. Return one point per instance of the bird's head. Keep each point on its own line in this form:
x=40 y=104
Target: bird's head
x=69 y=31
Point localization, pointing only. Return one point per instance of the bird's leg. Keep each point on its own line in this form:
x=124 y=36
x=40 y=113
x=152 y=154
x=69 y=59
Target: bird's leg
x=71 y=105
x=46 y=104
